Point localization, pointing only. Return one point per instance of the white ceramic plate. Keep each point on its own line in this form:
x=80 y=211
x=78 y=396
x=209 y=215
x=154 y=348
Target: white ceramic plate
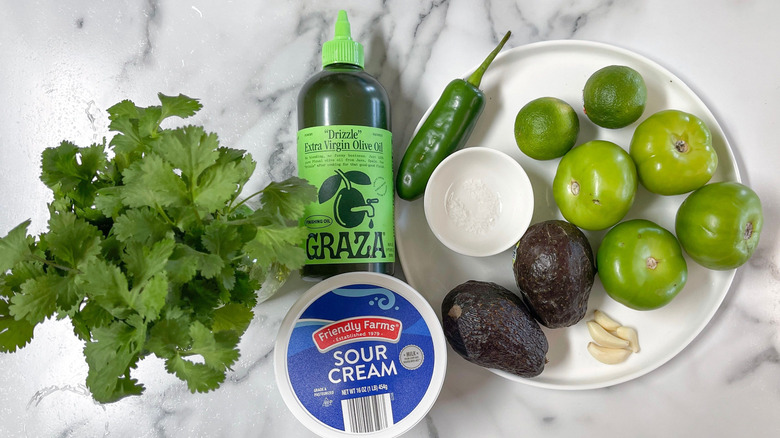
x=560 y=69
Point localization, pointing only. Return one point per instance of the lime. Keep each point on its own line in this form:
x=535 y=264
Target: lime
x=614 y=96
x=546 y=128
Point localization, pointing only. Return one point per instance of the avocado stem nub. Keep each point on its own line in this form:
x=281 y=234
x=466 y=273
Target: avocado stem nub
x=455 y=312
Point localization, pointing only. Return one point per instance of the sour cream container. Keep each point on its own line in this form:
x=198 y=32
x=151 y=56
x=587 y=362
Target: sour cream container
x=360 y=354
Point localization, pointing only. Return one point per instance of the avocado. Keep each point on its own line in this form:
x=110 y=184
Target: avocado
x=554 y=270
x=490 y=326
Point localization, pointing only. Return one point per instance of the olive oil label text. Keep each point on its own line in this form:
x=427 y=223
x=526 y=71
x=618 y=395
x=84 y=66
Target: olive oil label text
x=352 y=219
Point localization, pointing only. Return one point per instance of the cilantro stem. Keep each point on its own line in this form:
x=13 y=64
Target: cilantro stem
x=191 y=190
x=164 y=215
x=233 y=208
x=197 y=215
x=52 y=264
x=242 y=221
x=230 y=207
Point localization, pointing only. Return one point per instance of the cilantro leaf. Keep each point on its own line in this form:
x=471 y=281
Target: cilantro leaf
x=14 y=333
x=142 y=262
x=278 y=243
x=136 y=127
x=189 y=149
x=88 y=318
x=125 y=109
x=69 y=171
x=185 y=217
x=37 y=299
x=110 y=356
x=199 y=377
x=222 y=239
x=72 y=240
x=232 y=316
x=244 y=169
x=141 y=225
x=93 y=160
x=151 y=182
x=108 y=200
x=14 y=247
x=127 y=143
x=240 y=166
x=151 y=298
x=69 y=294
x=169 y=336
x=216 y=187
x=69 y=166
x=59 y=166
x=202 y=295
x=106 y=284
x=244 y=165
x=125 y=386
x=218 y=352
x=245 y=290
x=12 y=281
x=217 y=349
x=148 y=125
x=186 y=261
x=226 y=242
x=180 y=106
x=226 y=277
x=182 y=265
x=210 y=265
x=288 y=198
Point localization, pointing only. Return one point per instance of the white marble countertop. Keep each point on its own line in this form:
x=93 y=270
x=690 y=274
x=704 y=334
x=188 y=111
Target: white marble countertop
x=65 y=62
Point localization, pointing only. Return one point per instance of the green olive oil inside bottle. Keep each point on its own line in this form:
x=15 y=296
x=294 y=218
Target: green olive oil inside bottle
x=345 y=150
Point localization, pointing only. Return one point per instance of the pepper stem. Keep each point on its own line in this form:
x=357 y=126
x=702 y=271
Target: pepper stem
x=476 y=77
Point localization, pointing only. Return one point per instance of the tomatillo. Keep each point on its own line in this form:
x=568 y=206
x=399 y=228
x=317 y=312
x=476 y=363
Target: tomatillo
x=641 y=265
x=719 y=225
x=673 y=152
x=595 y=185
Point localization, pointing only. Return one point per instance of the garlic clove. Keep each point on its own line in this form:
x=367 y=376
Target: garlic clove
x=605 y=321
x=630 y=335
x=608 y=355
x=604 y=338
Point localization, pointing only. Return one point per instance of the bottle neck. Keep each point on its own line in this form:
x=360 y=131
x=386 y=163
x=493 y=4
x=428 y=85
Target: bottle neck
x=342 y=66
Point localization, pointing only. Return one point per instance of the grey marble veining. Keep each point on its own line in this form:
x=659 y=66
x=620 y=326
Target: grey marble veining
x=63 y=63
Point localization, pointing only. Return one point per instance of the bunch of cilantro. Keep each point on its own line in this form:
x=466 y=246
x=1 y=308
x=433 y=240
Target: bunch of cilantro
x=150 y=249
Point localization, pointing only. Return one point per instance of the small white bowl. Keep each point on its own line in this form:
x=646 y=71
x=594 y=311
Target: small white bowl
x=479 y=202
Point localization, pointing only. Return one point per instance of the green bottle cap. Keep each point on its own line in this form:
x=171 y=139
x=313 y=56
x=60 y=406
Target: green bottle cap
x=342 y=49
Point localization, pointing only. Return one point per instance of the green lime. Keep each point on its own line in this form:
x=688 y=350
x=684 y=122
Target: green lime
x=546 y=128
x=614 y=96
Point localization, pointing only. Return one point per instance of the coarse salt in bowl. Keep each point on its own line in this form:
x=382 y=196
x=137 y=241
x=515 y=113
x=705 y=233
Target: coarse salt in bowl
x=479 y=201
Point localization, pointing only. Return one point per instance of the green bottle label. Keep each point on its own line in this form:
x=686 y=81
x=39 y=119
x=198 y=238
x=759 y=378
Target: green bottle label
x=352 y=219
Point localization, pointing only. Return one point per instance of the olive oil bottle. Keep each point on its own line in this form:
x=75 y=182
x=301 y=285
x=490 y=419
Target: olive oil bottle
x=345 y=150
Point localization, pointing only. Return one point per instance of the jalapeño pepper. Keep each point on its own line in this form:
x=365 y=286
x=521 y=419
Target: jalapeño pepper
x=445 y=130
